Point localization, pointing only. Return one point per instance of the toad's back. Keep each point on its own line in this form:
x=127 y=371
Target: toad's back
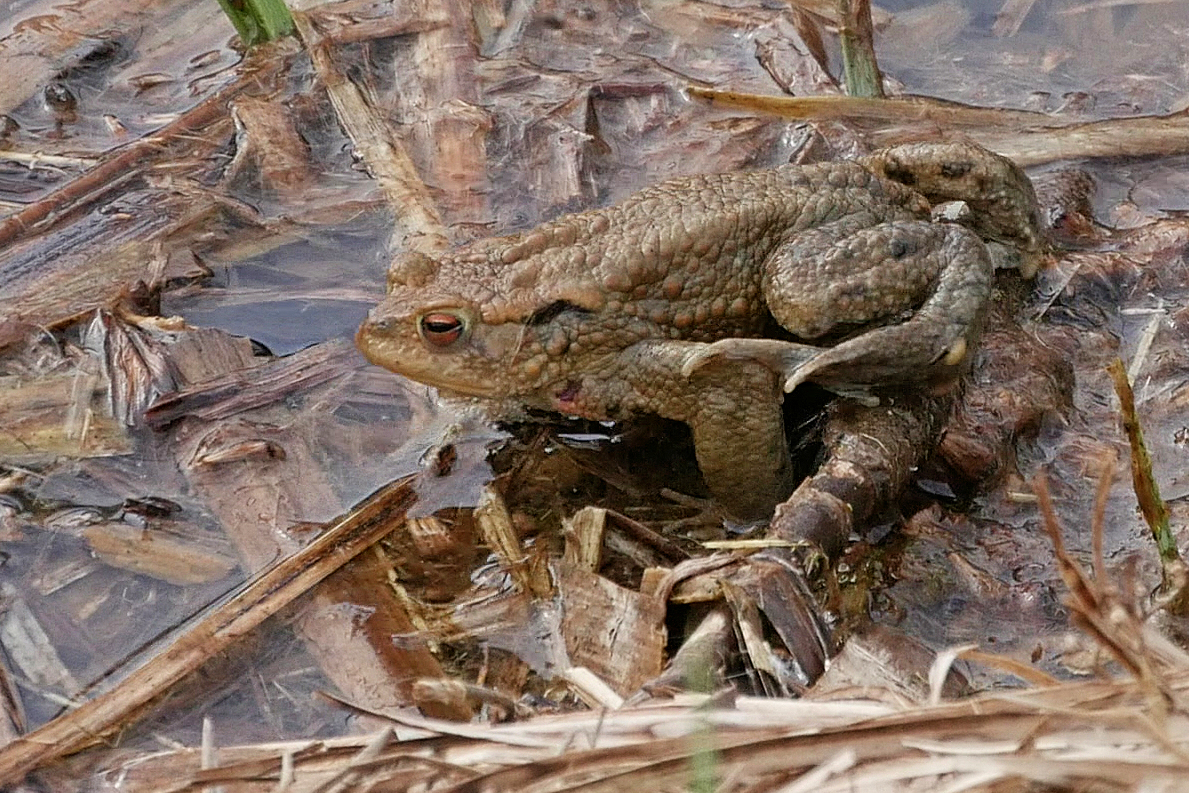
x=686 y=253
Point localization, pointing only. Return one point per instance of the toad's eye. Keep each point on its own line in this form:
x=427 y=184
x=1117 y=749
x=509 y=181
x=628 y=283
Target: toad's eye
x=441 y=329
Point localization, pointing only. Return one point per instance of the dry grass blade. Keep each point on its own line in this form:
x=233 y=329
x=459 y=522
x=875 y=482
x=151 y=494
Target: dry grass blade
x=1080 y=587
x=1174 y=589
x=1020 y=669
x=1055 y=736
x=1105 y=480
x=1026 y=137
x=1098 y=608
x=349 y=774
x=274 y=589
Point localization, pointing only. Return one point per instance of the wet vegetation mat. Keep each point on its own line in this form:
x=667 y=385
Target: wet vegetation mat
x=236 y=556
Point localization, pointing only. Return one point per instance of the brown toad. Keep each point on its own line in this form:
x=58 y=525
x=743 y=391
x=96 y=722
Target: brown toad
x=661 y=304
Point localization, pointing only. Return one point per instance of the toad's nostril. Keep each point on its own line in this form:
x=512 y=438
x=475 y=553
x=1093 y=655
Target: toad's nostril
x=372 y=331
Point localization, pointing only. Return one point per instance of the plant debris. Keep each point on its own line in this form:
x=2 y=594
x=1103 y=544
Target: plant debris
x=237 y=557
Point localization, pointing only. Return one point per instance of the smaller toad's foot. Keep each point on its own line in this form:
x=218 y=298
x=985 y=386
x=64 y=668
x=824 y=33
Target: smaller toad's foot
x=897 y=355
x=939 y=271
x=926 y=349
x=795 y=363
x=782 y=357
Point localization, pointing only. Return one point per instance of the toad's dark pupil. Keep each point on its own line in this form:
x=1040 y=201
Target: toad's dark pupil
x=441 y=329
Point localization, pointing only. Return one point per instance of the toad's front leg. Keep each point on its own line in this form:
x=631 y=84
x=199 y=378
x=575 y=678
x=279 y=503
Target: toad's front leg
x=733 y=409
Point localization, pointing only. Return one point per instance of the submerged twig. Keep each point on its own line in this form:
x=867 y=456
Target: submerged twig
x=417 y=218
x=892 y=110
x=267 y=594
x=1138 y=136
x=126 y=163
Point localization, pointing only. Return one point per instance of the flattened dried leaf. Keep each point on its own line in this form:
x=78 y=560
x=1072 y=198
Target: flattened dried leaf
x=136 y=366
x=615 y=632
x=159 y=553
x=57 y=414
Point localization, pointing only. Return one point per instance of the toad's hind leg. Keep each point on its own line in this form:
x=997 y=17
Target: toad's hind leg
x=931 y=346
x=733 y=409
x=939 y=272
x=925 y=285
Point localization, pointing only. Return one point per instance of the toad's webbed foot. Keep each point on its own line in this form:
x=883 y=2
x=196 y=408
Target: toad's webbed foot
x=783 y=357
x=853 y=369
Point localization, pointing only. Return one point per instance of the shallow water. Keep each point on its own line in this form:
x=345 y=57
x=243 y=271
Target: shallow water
x=583 y=108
